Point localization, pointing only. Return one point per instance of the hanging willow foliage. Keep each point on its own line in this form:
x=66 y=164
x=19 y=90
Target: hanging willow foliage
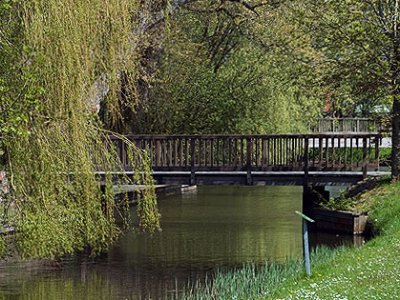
x=57 y=204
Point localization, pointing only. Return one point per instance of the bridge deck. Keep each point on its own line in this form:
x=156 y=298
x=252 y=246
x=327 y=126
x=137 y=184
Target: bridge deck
x=262 y=178
x=258 y=178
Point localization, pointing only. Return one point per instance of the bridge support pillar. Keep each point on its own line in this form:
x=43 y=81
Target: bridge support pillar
x=308 y=199
x=249 y=178
x=321 y=190
x=313 y=195
x=192 y=162
x=192 y=178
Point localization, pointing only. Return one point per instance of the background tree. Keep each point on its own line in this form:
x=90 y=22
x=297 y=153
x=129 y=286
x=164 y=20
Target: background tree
x=359 y=42
x=231 y=69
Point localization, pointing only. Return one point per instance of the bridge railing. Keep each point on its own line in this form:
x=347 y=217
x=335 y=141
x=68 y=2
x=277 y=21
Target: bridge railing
x=327 y=125
x=289 y=152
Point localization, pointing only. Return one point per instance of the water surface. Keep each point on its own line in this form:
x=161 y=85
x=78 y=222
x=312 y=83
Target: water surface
x=215 y=227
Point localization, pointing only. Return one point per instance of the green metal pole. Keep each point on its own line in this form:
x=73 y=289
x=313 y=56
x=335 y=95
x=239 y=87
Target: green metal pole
x=306 y=245
x=306 y=249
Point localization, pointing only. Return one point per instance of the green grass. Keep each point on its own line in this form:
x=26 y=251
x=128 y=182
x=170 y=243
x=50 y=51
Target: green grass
x=250 y=281
x=368 y=272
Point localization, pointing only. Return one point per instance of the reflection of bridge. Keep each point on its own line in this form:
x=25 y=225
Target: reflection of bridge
x=258 y=159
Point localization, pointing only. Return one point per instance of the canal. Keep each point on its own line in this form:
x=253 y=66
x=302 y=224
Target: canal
x=212 y=228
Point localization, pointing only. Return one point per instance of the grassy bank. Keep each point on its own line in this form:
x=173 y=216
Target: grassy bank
x=250 y=281
x=369 y=272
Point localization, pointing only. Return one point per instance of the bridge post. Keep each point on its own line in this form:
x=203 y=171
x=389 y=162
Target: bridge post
x=158 y=153
x=308 y=199
x=192 y=154
x=249 y=179
x=364 y=159
x=378 y=141
x=306 y=161
x=307 y=190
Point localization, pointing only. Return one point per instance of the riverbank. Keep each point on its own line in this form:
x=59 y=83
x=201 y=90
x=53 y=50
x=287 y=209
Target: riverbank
x=368 y=272
x=253 y=282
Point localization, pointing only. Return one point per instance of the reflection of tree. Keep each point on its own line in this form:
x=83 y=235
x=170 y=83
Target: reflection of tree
x=78 y=280
x=222 y=227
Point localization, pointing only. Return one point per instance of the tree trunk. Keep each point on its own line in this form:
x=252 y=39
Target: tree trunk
x=395 y=68
x=396 y=135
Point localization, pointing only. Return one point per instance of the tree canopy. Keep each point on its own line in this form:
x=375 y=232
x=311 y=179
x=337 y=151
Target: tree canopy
x=52 y=141
x=72 y=71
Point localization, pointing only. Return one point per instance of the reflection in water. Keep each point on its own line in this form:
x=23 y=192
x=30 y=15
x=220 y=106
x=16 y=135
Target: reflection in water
x=217 y=227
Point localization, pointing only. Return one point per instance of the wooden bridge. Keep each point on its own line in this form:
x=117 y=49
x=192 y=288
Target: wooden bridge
x=354 y=125
x=297 y=159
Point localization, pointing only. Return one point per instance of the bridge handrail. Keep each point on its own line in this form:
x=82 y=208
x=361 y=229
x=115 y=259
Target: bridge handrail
x=257 y=152
x=289 y=135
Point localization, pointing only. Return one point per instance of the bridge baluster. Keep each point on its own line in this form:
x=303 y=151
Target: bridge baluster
x=345 y=153
x=192 y=161
x=313 y=152
x=287 y=159
x=123 y=155
x=236 y=153
x=180 y=146
x=249 y=155
x=263 y=153
x=187 y=161
x=377 y=143
x=323 y=152
x=306 y=158
x=364 y=157
x=158 y=153
x=326 y=158
x=332 y=152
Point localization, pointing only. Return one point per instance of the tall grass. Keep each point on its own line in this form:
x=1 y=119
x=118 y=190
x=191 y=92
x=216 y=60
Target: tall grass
x=251 y=281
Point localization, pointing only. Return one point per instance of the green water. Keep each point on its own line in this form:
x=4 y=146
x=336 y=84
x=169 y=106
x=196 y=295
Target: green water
x=215 y=227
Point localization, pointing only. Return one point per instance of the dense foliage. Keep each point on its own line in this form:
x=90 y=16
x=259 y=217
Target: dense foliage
x=360 y=42
x=228 y=69
x=52 y=56
x=71 y=69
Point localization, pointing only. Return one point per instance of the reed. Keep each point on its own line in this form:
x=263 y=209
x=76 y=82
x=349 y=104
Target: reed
x=251 y=281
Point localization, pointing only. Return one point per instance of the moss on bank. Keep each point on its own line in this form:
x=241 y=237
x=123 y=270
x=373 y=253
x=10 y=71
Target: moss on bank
x=364 y=201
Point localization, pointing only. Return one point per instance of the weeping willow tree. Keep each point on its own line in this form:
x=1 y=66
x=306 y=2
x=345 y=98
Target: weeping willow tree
x=56 y=55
